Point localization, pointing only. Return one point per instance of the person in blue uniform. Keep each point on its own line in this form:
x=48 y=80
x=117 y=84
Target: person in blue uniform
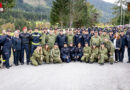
x=71 y=49
x=17 y=48
x=78 y=52
x=25 y=39
x=86 y=37
x=65 y=53
x=35 y=39
x=61 y=39
x=123 y=43
x=128 y=44
x=6 y=42
x=111 y=35
x=78 y=38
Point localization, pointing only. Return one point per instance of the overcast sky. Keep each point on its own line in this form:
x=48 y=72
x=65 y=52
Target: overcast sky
x=111 y=1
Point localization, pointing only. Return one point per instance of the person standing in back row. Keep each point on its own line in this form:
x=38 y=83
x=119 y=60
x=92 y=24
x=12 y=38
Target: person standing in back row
x=25 y=39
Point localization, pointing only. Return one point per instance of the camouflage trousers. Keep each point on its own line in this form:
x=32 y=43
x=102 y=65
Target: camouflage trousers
x=102 y=59
x=36 y=61
x=85 y=58
x=93 y=57
x=56 y=60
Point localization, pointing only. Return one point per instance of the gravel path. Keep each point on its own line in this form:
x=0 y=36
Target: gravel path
x=72 y=76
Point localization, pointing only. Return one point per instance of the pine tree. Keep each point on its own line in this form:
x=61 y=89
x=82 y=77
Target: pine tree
x=59 y=12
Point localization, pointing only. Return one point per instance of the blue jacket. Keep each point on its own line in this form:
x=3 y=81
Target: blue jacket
x=86 y=38
x=65 y=52
x=16 y=43
x=6 y=42
x=36 y=38
x=78 y=38
x=123 y=39
x=61 y=39
x=78 y=52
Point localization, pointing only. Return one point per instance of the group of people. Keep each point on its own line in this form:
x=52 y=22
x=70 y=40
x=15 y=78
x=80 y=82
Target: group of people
x=57 y=45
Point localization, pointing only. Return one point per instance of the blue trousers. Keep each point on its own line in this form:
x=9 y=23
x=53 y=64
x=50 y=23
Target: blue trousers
x=26 y=48
x=65 y=59
x=6 y=55
x=17 y=55
x=33 y=47
x=121 y=54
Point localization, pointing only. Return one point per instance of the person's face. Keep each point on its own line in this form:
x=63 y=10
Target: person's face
x=111 y=33
x=104 y=33
x=70 y=32
x=94 y=46
x=96 y=34
x=65 y=45
x=100 y=32
x=36 y=30
x=122 y=33
x=102 y=45
x=106 y=40
x=55 y=46
x=78 y=31
x=71 y=44
x=51 y=32
x=8 y=33
x=25 y=30
x=86 y=32
x=3 y=32
x=47 y=46
x=17 y=34
x=117 y=35
x=86 y=45
x=61 y=32
x=79 y=45
x=92 y=31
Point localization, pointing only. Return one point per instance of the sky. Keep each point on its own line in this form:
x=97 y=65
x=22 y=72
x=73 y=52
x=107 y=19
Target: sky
x=111 y=1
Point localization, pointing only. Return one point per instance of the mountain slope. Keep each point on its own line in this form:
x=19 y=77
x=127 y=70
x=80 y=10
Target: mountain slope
x=44 y=6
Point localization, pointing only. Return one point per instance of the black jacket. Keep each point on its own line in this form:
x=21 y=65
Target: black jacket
x=25 y=38
x=16 y=43
x=123 y=39
x=61 y=39
x=118 y=43
x=78 y=38
x=128 y=38
x=86 y=38
x=78 y=52
x=65 y=51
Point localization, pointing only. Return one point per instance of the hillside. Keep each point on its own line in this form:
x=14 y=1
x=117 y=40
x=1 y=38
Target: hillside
x=44 y=6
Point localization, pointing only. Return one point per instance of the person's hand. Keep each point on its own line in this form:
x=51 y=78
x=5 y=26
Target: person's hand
x=14 y=50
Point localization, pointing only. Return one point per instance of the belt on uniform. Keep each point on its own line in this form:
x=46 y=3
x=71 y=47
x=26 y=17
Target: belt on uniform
x=35 y=43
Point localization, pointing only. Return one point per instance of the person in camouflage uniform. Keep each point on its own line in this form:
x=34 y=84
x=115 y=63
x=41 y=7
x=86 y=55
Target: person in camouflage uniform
x=50 y=39
x=37 y=57
x=43 y=37
x=70 y=37
x=95 y=40
x=86 y=53
x=110 y=47
x=104 y=35
x=103 y=54
x=94 y=53
x=55 y=54
x=46 y=53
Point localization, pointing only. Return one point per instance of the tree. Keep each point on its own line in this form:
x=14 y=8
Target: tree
x=121 y=14
x=73 y=13
x=8 y=4
x=59 y=12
